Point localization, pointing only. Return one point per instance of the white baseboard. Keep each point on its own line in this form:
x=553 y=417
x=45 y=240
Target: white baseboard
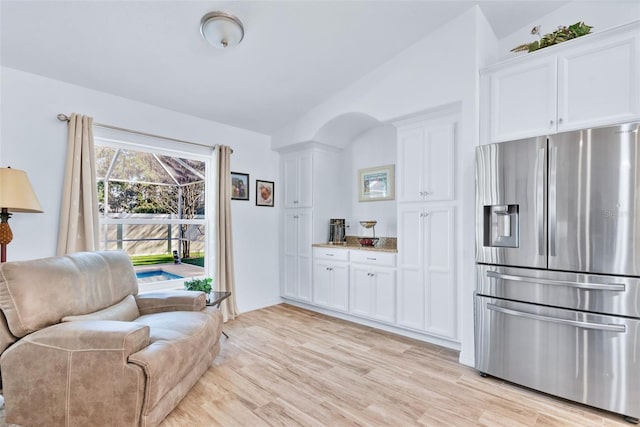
x=432 y=339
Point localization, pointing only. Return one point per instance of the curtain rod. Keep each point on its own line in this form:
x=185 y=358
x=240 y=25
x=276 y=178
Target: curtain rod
x=64 y=118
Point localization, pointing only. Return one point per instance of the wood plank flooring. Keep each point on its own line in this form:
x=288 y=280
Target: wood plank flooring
x=285 y=366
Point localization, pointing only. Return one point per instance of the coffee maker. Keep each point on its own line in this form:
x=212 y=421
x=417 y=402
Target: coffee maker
x=337 y=231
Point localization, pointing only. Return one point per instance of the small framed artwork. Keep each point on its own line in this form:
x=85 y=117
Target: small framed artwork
x=376 y=184
x=239 y=186
x=264 y=193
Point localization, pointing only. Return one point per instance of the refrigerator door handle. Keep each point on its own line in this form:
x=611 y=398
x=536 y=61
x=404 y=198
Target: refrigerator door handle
x=540 y=200
x=575 y=323
x=553 y=170
x=616 y=287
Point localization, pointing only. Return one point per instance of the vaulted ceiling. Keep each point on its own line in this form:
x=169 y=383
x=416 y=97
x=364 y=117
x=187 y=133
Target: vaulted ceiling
x=295 y=53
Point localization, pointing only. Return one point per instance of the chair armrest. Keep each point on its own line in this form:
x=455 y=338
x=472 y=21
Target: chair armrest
x=75 y=373
x=95 y=335
x=161 y=301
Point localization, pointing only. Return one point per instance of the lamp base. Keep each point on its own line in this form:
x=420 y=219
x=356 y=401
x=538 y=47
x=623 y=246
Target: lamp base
x=6 y=236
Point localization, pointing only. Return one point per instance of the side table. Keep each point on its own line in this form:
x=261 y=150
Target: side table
x=216 y=299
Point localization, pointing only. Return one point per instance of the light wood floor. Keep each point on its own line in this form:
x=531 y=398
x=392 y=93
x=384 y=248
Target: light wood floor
x=284 y=366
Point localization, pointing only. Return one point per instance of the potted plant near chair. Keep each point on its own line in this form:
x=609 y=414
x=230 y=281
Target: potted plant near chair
x=202 y=285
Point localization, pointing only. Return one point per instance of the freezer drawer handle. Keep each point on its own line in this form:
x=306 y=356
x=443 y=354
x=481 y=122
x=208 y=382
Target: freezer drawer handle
x=577 y=324
x=617 y=287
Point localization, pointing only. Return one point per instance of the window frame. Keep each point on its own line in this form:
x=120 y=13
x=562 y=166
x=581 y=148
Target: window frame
x=117 y=139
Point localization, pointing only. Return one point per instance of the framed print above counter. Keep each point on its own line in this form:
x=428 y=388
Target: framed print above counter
x=376 y=183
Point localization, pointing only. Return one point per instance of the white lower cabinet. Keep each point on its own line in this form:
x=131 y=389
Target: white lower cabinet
x=297 y=280
x=331 y=279
x=427 y=297
x=373 y=285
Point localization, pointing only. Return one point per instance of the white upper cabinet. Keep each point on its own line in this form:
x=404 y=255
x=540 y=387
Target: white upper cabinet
x=523 y=100
x=599 y=84
x=587 y=82
x=298 y=180
x=426 y=159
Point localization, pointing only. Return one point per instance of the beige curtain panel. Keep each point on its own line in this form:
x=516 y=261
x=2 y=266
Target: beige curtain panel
x=225 y=277
x=79 y=211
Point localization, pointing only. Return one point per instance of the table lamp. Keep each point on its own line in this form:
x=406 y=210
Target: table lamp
x=16 y=195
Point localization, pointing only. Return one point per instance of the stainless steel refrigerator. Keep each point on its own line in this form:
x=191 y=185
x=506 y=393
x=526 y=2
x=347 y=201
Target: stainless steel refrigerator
x=557 y=304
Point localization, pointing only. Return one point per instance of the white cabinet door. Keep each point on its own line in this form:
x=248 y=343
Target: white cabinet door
x=410 y=164
x=331 y=278
x=322 y=278
x=523 y=99
x=305 y=254
x=599 y=83
x=384 y=294
x=439 y=272
x=411 y=288
x=305 y=181
x=297 y=263
x=298 y=180
x=426 y=160
x=427 y=297
x=340 y=286
x=290 y=262
x=290 y=178
x=439 y=162
x=361 y=290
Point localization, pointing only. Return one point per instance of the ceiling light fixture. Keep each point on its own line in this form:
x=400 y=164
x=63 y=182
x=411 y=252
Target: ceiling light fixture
x=221 y=29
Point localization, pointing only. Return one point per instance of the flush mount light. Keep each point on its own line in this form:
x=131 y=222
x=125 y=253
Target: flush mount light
x=221 y=29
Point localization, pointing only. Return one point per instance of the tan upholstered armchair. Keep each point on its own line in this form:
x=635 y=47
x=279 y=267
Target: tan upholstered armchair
x=81 y=348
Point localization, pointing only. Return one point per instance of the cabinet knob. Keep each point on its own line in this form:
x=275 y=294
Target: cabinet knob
x=421 y=193
x=551 y=122
x=560 y=120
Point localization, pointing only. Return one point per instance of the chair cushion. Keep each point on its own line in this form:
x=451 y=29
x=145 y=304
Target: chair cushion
x=125 y=311
x=176 y=340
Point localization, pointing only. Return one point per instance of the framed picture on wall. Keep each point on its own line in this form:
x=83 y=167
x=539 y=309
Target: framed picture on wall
x=376 y=184
x=239 y=186
x=264 y=193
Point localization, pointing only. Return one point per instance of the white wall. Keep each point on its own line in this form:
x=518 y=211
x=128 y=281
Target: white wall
x=601 y=15
x=376 y=147
x=31 y=138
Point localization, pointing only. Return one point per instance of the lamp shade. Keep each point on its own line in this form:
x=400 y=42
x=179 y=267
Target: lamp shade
x=16 y=192
x=221 y=29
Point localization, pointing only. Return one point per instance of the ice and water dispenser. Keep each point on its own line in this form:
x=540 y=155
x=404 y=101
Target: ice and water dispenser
x=501 y=227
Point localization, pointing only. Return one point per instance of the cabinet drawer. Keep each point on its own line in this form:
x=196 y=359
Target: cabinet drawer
x=330 y=253
x=374 y=258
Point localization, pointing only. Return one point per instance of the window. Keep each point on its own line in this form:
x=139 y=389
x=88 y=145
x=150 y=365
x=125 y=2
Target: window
x=153 y=204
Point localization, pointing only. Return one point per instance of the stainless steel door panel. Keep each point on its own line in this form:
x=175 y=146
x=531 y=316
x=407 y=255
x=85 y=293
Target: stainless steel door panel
x=586 y=292
x=587 y=358
x=511 y=179
x=594 y=201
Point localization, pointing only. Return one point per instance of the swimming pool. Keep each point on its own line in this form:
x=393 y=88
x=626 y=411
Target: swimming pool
x=155 y=276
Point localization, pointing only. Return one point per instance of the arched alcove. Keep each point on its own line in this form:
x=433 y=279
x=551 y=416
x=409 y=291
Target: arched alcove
x=343 y=129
